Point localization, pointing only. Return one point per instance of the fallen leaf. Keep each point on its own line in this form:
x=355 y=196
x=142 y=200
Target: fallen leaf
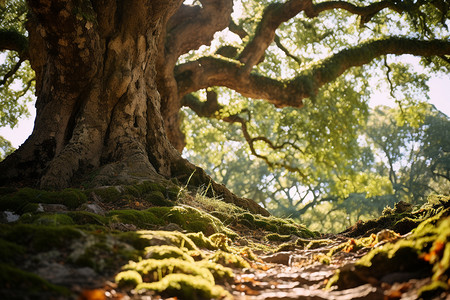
x=97 y=294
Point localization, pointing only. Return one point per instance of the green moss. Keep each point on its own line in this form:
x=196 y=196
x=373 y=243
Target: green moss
x=17 y=201
x=7 y=190
x=194 y=220
x=54 y=220
x=142 y=219
x=221 y=241
x=186 y=287
x=402 y=219
x=10 y=251
x=290 y=246
x=433 y=290
x=128 y=278
x=49 y=219
x=133 y=239
x=157 y=198
x=276 y=237
x=30 y=207
x=248 y=253
x=426 y=249
x=273 y=224
x=153 y=270
x=220 y=273
x=18 y=284
x=313 y=244
x=248 y=217
x=201 y=241
x=172 y=192
x=172 y=238
x=39 y=237
x=353 y=245
x=143 y=188
x=107 y=194
x=84 y=217
x=323 y=259
x=229 y=260
x=13 y=203
x=405 y=225
x=162 y=252
x=161 y=194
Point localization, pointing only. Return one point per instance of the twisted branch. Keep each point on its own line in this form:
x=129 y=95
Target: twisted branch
x=211 y=108
x=217 y=71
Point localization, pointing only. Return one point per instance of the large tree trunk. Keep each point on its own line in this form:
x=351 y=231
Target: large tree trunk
x=98 y=107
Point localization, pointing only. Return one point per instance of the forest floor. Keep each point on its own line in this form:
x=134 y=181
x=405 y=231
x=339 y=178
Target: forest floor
x=149 y=241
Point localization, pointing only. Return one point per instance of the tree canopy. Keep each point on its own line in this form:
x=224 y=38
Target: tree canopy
x=291 y=79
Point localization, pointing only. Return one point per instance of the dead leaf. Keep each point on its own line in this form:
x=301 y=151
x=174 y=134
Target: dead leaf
x=97 y=294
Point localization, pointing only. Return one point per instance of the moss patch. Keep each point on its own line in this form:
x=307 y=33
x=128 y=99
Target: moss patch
x=18 y=201
x=130 y=278
x=39 y=237
x=426 y=252
x=401 y=218
x=163 y=252
x=18 y=284
x=172 y=238
x=186 y=287
x=229 y=260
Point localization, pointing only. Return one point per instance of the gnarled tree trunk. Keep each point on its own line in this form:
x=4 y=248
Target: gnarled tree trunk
x=98 y=105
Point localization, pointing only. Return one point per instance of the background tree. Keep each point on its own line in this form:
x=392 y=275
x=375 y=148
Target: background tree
x=112 y=76
x=415 y=158
x=394 y=161
x=16 y=76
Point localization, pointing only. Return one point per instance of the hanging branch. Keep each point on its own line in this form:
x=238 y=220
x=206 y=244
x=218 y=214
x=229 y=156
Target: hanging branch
x=391 y=85
x=211 y=108
x=11 y=72
x=285 y=50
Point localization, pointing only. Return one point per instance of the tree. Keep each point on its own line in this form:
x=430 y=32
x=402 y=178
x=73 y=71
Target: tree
x=415 y=158
x=395 y=161
x=112 y=76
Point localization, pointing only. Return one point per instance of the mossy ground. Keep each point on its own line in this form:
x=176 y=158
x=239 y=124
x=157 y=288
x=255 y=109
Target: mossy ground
x=424 y=252
x=154 y=225
x=156 y=238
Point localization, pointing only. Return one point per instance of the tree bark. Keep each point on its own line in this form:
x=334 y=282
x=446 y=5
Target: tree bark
x=98 y=109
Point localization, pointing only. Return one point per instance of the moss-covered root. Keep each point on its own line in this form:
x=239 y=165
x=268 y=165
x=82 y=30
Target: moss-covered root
x=176 y=277
x=186 y=287
x=425 y=253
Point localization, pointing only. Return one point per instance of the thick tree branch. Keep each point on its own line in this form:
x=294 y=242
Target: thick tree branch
x=215 y=71
x=366 y=12
x=273 y=16
x=277 y=13
x=191 y=26
x=14 y=41
x=237 y=29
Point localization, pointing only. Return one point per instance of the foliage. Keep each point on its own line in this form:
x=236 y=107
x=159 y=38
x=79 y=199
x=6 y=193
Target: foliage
x=415 y=157
x=16 y=75
x=5 y=148
x=391 y=160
